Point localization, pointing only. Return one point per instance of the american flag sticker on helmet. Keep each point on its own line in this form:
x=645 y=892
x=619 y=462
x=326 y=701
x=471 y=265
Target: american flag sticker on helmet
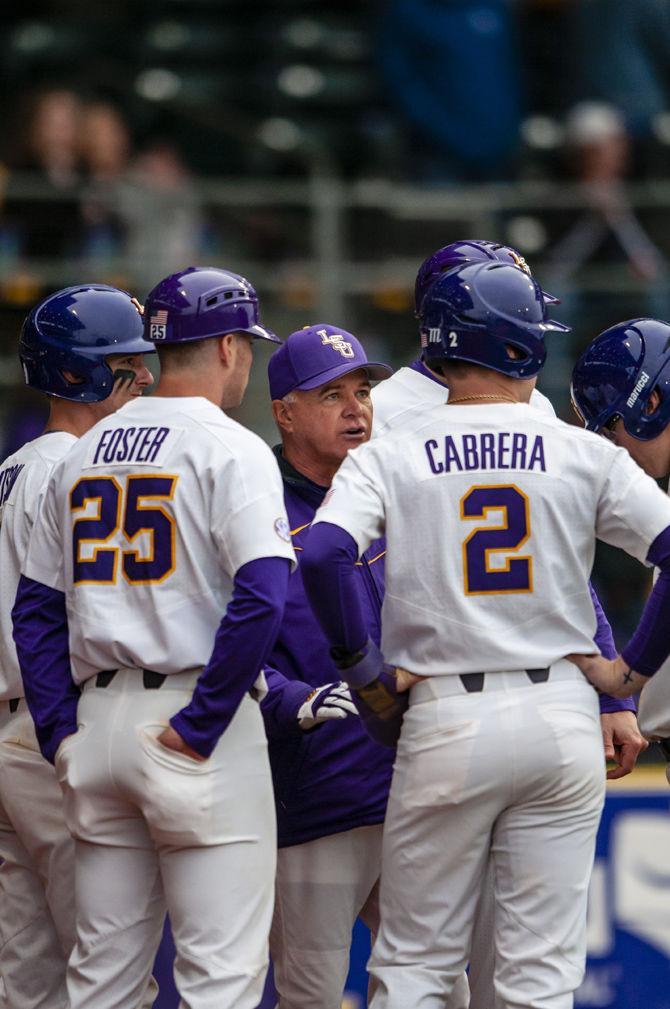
x=158 y=325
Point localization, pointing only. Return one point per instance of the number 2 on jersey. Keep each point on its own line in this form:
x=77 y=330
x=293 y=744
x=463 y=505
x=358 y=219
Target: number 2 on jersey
x=101 y=568
x=515 y=574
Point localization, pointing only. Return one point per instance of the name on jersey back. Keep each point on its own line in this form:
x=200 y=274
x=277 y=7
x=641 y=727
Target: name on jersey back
x=486 y=451
x=132 y=445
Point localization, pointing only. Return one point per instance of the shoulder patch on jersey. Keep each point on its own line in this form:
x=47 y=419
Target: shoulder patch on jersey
x=282 y=529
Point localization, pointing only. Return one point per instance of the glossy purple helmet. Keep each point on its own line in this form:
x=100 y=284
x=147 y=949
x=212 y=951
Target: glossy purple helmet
x=474 y=313
x=462 y=254
x=75 y=330
x=201 y=302
x=617 y=373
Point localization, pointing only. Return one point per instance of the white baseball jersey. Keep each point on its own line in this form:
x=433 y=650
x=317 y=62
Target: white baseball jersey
x=23 y=481
x=144 y=526
x=490 y=515
x=396 y=400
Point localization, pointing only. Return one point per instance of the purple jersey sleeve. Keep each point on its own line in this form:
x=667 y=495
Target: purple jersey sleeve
x=604 y=641
x=42 y=646
x=328 y=572
x=649 y=647
x=241 y=647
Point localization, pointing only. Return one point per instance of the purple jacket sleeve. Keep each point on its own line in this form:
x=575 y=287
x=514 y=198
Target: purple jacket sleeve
x=42 y=646
x=604 y=641
x=281 y=705
x=649 y=647
x=242 y=644
x=328 y=572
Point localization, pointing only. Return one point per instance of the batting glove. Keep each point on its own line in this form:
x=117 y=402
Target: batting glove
x=332 y=700
x=374 y=690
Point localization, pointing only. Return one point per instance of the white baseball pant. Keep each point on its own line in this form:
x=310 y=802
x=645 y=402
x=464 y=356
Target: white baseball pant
x=37 y=874
x=37 y=902
x=516 y=774
x=156 y=829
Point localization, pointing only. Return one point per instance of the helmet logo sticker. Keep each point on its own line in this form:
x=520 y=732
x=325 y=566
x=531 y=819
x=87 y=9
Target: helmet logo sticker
x=337 y=342
x=639 y=386
x=158 y=326
x=434 y=334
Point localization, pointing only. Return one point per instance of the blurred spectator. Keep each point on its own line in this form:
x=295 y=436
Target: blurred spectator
x=161 y=209
x=452 y=67
x=46 y=223
x=598 y=141
x=105 y=145
x=623 y=54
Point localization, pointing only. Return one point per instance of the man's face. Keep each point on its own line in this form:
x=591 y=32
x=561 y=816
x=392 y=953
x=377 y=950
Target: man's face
x=328 y=421
x=653 y=455
x=125 y=391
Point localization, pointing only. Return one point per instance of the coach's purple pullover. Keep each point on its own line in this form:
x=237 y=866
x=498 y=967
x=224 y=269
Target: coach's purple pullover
x=334 y=777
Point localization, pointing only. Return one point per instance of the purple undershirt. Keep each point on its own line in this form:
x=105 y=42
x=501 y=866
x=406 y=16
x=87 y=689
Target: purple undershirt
x=241 y=646
x=328 y=571
x=42 y=645
x=649 y=647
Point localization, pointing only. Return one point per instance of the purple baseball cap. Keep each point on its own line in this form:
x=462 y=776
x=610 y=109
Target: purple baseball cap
x=315 y=355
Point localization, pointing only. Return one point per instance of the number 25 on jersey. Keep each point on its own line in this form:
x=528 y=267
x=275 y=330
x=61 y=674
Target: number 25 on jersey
x=514 y=574
x=135 y=509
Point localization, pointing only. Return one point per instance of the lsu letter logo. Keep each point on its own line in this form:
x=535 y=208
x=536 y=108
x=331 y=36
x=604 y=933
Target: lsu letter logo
x=337 y=342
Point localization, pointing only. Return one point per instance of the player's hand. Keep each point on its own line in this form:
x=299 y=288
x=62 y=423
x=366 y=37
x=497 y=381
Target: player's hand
x=622 y=741
x=171 y=740
x=406 y=680
x=332 y=700
x=122 y=390
x=138 y=305
x=611 y=676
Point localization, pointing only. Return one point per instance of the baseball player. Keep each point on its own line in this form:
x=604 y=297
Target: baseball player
x=163 y=551
x=84 y=348
x=398 y=402
x=620 y=389
x=331 y=780
x=500 y=754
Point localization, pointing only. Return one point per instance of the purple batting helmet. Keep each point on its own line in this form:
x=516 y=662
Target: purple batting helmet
x=462 y=254
x=201 y=302
x=475 y=313
x=75 y=330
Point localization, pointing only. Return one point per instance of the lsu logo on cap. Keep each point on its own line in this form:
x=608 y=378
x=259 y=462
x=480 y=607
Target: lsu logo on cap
x=337 y=342
x=158 y=326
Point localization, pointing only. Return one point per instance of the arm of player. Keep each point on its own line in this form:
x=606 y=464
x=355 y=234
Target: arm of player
x=649 y=647
x=42 y=646
x=292 y=707
x=328 y=573
x=604 y=642
x=241 y=647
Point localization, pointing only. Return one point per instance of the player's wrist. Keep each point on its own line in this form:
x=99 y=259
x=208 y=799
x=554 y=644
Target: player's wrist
x=360 y=667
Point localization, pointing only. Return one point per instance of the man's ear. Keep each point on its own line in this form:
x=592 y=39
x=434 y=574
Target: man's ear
x=283 y=415
x=226 y=348
x=653 y=402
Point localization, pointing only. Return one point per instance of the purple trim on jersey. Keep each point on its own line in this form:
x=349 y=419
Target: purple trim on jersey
x=604 y=641
x=241 y=647
x=42 y=646
x=328 y=573
x=427 y=373
x=649 y=647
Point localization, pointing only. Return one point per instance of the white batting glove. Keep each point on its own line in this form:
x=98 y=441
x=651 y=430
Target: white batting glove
x=332 y=700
